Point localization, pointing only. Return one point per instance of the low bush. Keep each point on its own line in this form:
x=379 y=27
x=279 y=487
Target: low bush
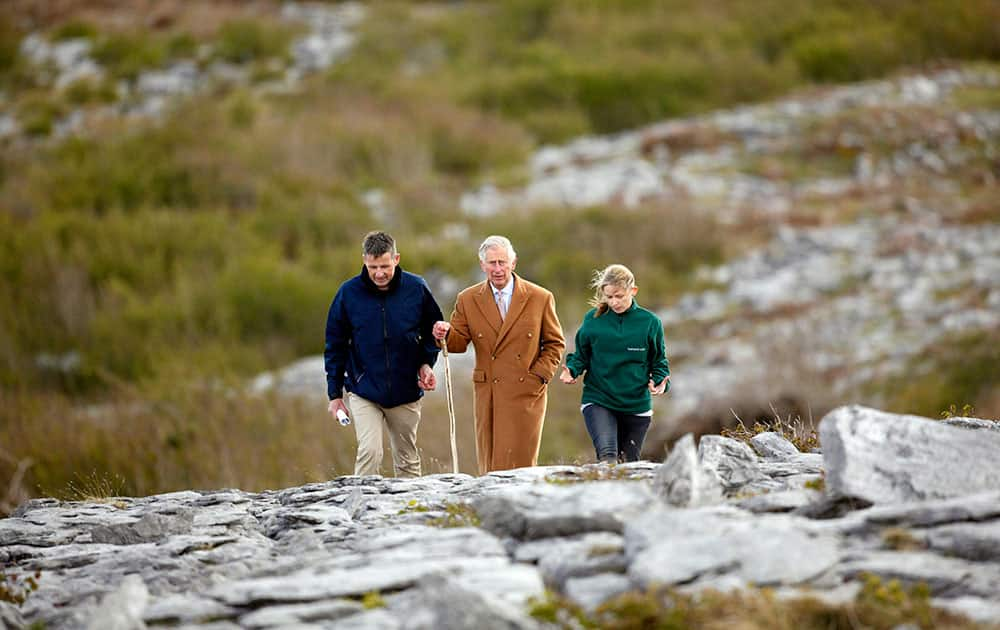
x=245 y=40
x=126 y=55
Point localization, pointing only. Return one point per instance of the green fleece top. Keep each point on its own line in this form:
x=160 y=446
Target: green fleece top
x=620 y=354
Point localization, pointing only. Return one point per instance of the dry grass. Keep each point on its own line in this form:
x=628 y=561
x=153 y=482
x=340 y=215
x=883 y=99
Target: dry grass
x=200 y=18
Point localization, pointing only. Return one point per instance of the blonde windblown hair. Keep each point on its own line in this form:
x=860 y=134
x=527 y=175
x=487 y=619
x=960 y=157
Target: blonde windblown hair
x=612 y=275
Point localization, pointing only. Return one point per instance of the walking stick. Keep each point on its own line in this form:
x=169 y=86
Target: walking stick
x=451 y=404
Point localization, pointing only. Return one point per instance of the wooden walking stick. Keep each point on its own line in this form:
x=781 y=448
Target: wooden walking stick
x=451 y=404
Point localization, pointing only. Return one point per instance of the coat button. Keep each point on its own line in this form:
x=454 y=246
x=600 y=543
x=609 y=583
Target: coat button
x=496 y=380
x=521 y=379
x=529 y=335
x=480 y=335
x=494 y=357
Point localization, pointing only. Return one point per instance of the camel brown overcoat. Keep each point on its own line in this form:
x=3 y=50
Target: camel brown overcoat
x=516 y=357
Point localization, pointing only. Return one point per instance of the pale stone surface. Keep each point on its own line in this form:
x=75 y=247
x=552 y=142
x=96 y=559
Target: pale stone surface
x=890 y=458
x=306 y=557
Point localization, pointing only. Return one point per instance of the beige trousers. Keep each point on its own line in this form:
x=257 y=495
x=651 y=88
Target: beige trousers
x=401 y=422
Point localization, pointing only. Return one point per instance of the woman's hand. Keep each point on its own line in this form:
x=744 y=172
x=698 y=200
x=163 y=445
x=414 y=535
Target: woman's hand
x=657 y=390
x=566 y=377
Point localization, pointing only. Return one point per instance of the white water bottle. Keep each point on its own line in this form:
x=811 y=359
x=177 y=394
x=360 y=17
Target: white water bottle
x=343 y=417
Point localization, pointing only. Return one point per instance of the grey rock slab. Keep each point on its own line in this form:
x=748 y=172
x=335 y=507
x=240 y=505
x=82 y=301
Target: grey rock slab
x=450 y=604
x=801 y=464
x=311 y=585
x=593 y=590
x=416 y=542
x=547 y=510
x=681 y=480
x=680 y=546
x=772 y=445
x=148 y=528
x=375 y=619
x=979 y=542
x=732 y=462
x=946 y=577
x=122 y=608
x=184 y=608
x=286 y=615
x=973 y=423
x=978 y=609
x=561 y=559
x=890 y=458
x=780 y=501
x=10 y=616
x=979 y=507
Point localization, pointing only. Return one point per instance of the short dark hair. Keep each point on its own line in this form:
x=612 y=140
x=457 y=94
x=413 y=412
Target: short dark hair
x=378 y=244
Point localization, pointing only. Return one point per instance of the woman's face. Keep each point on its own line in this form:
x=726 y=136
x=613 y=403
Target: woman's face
x=617 y=297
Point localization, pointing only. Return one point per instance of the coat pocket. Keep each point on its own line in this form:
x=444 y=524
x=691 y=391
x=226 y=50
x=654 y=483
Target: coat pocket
x=478 y=376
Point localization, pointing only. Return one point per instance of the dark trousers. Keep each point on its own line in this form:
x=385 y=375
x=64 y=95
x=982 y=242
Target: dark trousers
x=616 y=436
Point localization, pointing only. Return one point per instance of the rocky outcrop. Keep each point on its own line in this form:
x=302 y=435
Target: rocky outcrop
x=455 y=551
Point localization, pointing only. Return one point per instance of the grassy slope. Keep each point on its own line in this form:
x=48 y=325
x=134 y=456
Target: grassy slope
x=180 y=256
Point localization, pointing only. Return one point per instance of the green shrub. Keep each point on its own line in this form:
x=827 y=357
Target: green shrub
x=10 y=46
x=181 y=46
x=126 y=55
x=38 y=114
x=87 y=90
x=243 y=41
x=849 y=55
x=271 y=301
x=75 y=29
x=964 y=368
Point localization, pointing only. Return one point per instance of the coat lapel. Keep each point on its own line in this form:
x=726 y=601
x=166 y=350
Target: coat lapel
x=488 y=307
x=518 y=300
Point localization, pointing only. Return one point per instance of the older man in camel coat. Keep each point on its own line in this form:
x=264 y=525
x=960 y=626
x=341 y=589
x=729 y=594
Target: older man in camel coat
x=513 y=326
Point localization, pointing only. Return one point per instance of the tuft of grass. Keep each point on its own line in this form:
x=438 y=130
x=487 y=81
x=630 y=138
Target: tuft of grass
x=246 y=40
x=818 y=484
x=15 y=588
x=900 y=539
x=414 y=506
x=591 y=472
x=372 y=599
x=456 y=515
x=75 y=29
x=93 y=488
x=126 y=55
x=878 y=605
x=803 y=435
x=966 y=411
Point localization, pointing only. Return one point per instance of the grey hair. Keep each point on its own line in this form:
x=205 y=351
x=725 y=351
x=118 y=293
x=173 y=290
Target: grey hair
x=378 y=244
x=496 y=241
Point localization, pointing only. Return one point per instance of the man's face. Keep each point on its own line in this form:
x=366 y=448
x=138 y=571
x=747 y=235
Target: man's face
x=498 y=266
x=381 y=268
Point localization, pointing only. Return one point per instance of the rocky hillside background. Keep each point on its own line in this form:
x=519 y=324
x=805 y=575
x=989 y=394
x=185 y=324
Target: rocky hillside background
x=807 y=195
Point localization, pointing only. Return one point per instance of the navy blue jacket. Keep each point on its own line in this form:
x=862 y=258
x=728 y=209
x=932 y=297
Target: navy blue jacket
x=377 y=340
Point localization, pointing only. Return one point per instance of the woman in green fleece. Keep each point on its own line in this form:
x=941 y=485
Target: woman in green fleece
x=620 y=347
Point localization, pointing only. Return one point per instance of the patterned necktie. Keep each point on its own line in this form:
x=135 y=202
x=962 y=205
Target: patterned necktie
x=502 y=305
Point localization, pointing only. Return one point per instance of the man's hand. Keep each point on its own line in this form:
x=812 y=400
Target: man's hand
x=566 y=377
x=426 y=378
x=440 y=330
x=335 y=404
x=657 y=390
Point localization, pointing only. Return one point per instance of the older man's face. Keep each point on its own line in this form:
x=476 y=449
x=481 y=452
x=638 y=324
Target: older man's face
x=498 y=266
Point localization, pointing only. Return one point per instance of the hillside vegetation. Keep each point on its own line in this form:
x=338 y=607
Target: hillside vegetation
x=149 y=266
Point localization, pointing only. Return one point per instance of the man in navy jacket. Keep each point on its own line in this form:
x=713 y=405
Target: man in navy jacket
x=379 y=348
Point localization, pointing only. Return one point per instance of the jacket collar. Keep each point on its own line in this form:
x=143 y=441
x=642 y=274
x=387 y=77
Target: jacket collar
x=366 y=280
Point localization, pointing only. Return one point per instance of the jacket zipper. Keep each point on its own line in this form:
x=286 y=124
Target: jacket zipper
x=385 y=345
